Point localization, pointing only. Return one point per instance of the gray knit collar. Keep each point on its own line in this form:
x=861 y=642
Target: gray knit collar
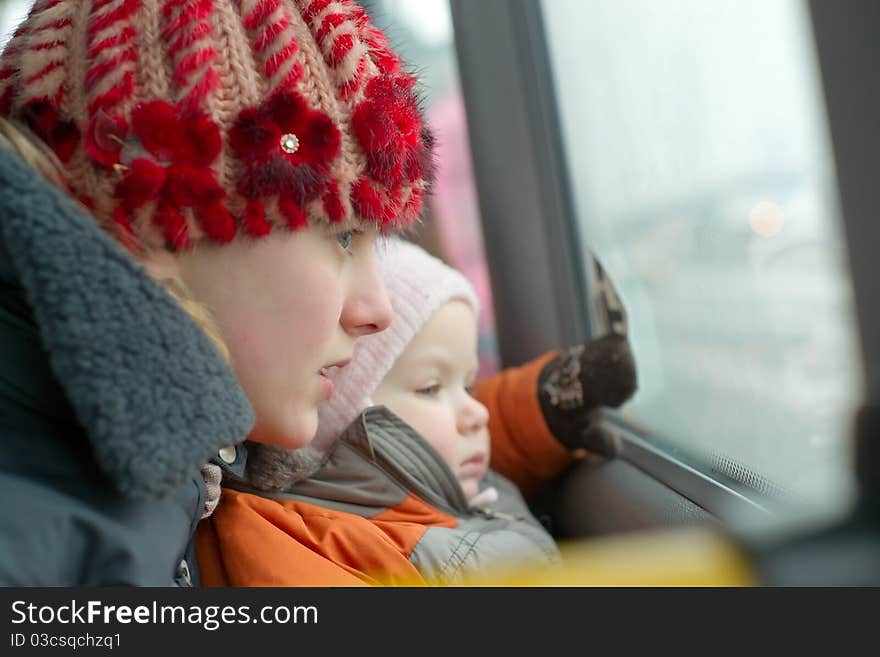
x=376 y=462
x=153 y=395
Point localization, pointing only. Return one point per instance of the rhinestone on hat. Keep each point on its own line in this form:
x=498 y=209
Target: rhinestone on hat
x=289 y=143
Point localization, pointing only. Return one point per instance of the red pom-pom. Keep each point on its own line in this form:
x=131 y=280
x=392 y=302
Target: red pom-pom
x=202 y=142
x=391 y=208
x=61 y=136
x=332 y=205
x=413 y=207
x=321 y=140
x=182 y=178
x=187 y=185
x=142 y=184
x=367 y=201
x=216 y=220
x=193 y=140
x=375 y=205
x=389 y=127
x=292 y=213
x=203 y=184
x=255 y=219
x=159 y=129
x=372 y=127
x=288 y=110
x=253 y=136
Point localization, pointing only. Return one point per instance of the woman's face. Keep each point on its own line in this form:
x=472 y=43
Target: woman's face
x=287 y=306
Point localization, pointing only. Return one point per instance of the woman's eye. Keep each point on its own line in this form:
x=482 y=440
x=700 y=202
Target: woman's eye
x=429 y=391
x=344 y=238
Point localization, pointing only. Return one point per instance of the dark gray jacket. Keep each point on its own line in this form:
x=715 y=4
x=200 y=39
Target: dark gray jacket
x=110 y=400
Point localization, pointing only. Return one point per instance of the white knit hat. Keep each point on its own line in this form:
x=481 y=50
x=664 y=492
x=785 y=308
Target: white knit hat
x=418 y=284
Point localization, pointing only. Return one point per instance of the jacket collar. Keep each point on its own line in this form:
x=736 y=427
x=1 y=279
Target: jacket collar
x=146 y=384
x=374 y=465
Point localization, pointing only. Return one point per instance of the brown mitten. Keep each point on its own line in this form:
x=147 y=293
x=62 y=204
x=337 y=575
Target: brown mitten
x=600 y=372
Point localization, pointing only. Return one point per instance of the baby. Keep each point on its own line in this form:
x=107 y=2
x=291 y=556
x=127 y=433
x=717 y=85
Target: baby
x=423 y=368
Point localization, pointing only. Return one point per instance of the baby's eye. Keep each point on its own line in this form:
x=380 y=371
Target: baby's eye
x=344 y=238
x=469 y=389
x=429 y=391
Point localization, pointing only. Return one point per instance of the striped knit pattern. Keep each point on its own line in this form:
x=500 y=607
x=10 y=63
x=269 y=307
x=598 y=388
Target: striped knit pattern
x=188 y=36
x=112 y=55
x=335 y=26
x=269 y=25
x=41 y=63
x=94 y=61
x=9 y=68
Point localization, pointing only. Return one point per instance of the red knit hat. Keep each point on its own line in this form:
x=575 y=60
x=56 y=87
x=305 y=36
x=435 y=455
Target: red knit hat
x=179 y=119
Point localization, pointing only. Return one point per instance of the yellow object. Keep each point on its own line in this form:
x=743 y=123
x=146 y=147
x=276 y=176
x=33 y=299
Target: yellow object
x=685 y=557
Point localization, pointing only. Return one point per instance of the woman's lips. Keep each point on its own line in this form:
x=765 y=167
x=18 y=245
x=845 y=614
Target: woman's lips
x=324 y=375
x=326 y=384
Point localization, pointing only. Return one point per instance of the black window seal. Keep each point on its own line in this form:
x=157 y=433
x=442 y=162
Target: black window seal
x=532 y=247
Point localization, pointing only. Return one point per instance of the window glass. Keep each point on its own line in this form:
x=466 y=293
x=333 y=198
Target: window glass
x=12 y=12
x=421 y=31
x=701 y=172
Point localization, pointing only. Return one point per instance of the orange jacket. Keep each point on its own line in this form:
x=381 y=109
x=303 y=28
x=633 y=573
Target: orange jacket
x=252 y=540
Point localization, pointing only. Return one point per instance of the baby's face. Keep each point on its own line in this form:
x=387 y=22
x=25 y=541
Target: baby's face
x=429 y=388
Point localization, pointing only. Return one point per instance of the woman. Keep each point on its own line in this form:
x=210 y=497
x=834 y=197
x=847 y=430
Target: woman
x=247 y=155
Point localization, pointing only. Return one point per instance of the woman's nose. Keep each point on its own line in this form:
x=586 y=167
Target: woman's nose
x=366 y=309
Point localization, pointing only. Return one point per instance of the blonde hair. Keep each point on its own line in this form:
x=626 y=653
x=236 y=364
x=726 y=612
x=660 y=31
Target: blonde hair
x=199 y=312
x=34 y=152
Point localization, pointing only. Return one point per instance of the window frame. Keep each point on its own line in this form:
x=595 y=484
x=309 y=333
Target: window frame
x=846 y=42
x=515 y=137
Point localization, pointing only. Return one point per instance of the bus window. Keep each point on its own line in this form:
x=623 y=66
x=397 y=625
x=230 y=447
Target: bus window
x=12 y=12
x=698 y=154
x=421 y=31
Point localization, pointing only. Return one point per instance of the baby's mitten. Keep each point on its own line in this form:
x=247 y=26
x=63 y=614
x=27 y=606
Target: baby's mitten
x=574 y=386
x=600 y=372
